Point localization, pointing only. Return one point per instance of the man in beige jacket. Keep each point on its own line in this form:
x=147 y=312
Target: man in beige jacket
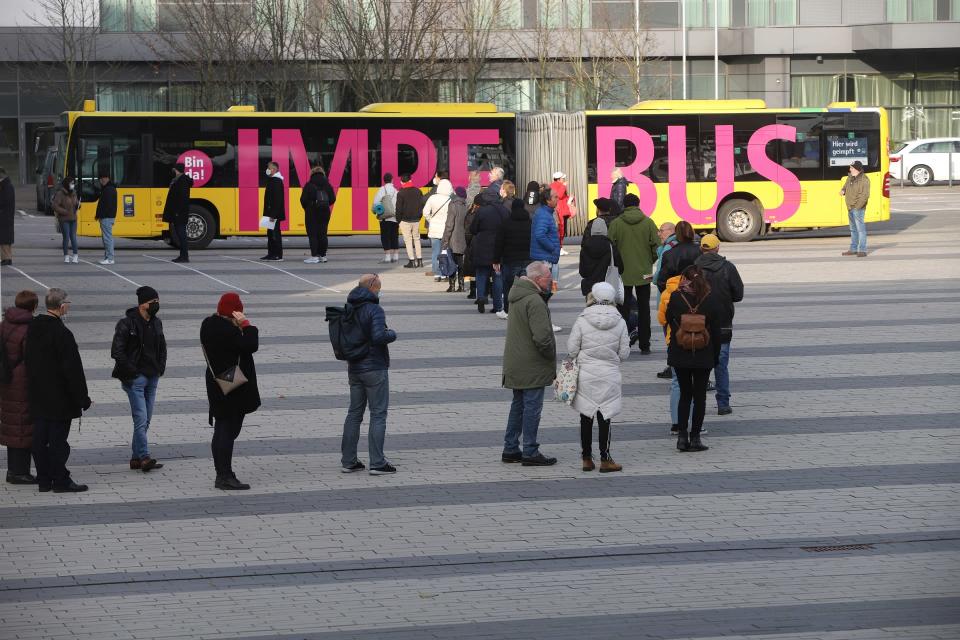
x=856 y=192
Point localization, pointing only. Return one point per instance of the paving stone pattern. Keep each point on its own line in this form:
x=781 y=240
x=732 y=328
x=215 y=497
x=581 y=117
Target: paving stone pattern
x=826 y=509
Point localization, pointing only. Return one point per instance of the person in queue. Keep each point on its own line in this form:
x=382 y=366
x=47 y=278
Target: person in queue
x=635 y=236
x=275 y=210
x=668 y=240
x=435 y=212
x=409 y=213
x=485 y=248
x=65 y=204
x=386 y=197
x=454 y=238
x=106 y=214
x=16 y=425
x=515 y=248
x=544 y=238
x=317 y=200
x=597 y=254
x=176 y=210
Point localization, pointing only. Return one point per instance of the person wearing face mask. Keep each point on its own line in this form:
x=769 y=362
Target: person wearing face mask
x=273 y=208
x=140 y=352
x=176 y=209
x=106 y=214
x=56 y=391
x=65 y=204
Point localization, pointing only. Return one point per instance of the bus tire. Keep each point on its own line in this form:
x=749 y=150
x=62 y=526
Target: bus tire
x=201 y=227
x=921 y=176
x=739 y=221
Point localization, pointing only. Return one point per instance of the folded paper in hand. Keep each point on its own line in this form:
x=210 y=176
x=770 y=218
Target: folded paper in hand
x=267 y=223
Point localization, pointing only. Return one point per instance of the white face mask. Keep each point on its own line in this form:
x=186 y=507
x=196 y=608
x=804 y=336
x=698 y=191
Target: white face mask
x=267 y=172
x=71 y=186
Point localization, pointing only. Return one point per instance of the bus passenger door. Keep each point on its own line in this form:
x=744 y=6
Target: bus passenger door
x=121 y=156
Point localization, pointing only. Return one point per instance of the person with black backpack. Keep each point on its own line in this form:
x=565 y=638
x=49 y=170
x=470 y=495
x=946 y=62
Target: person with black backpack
x=367 y=364
x=694 y=317
x=317 y=199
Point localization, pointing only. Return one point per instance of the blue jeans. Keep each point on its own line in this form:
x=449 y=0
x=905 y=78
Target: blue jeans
x=69 y=232
x=141 y=391
x=722 y=376
x=435 y=256
x=524 y=418
x=510 y=271
x=106 y=231
x=483 y=273
x=858 y=230
x=555 y=272
x=373 y=388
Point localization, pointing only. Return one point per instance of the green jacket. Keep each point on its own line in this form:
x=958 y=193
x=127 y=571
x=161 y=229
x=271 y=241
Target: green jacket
x=530 y=351
x=856 y=191
x=635 y=236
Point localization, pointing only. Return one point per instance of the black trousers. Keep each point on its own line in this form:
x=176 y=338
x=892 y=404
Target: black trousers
x=586 y=435
x=225 y=431
x=639 y=295
x=317 y=224
x=51 y=451
x=693 y=387
x=275 y=241
x=18 y=461
x=179 y=230
x=390 y=235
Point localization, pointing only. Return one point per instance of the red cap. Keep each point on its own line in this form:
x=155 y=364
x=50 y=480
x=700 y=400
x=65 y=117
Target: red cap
x=229 y=302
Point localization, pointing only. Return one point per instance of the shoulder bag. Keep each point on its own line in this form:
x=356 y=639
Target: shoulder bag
x=228 y=380
x=613 y=278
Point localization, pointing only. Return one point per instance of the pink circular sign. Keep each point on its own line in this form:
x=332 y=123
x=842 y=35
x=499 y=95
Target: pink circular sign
x=197 y=165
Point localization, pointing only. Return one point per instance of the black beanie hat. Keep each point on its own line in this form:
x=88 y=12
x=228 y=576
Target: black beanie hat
x=145 y=294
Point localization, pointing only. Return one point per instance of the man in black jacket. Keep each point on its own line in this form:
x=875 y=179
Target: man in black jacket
x=409 y=212
x=8 y=206
x=317 y=200
x=273 y=208
x=140 y=352
x=57 y=392
x=176 y=210
x=107 y=214
x=369 y=381
x=727 y=286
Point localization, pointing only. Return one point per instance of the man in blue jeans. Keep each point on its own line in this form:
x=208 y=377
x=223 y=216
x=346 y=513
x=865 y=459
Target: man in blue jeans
x=369 y=381
x=106 y=214
x=856 y=193
x=140 y=352
x=529 y=363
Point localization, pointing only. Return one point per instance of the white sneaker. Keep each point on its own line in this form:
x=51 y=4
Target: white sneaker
x=502 y=315
x=105 y=261
x=76 y=259
x=564 y=252
x=322 y=259
x=67 y=260
x=557 y=328
x=395 y=258
x=386 y=260
x=313 y=260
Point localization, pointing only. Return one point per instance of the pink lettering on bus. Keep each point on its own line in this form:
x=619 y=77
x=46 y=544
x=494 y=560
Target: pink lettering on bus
x=390 y=143
x=248 y=179
x=762 y=164
x=353 y=144
x=460 y=141
x=677 y=172
x=607 y=138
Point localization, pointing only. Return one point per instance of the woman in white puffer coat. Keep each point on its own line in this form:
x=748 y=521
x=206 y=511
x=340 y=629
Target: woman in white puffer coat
x=599 y=341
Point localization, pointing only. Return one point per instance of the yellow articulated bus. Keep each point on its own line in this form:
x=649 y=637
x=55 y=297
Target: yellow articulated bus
x=731 y=165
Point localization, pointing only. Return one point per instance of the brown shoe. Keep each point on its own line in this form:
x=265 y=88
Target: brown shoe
x=134 y=463
x=608 y=465
x=862 y=254
x=849 y=253
x=147 y=463
x=588 y=463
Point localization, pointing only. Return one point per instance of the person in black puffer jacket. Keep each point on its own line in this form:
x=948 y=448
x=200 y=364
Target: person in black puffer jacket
x=596 y=251
x=316 y=213
x=484 y=251
x=684 y=254
x=514 y=247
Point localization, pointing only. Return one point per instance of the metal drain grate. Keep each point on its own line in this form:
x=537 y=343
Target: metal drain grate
x=841 y=547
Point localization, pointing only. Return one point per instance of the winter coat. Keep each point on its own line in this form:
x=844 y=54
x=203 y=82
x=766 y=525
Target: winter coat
x=595 y=255
x=409 y=205
x=373 y=320
x=226 y=345
x=515 y=237
x=674 y=261
x=662 y=303
x=8 y=206
x=492 y=190
x=599 y=341
x=563 y=199
x=681 y=358
x=485 y=229
x=387 y=189
x=107 y=203
x=668 y=244
x=56 y=385
x=726 y=284
x=618 y=190
x=16 y=425
x=437 y=208
x=273 y=203
x=65 y=204
x=856 y=191
x=308 y=197
x=454 y=229
x=530 y=349
x=544 y=240
x=127 y=347
x=635 y=236
x=176 y=209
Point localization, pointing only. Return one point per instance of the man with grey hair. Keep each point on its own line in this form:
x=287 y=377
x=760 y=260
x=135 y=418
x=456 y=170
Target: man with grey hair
x=56 y=392
x=529 y=363
x=496 y=181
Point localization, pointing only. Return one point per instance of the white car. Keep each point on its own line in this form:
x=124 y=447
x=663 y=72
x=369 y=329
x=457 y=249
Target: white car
x=923 y=161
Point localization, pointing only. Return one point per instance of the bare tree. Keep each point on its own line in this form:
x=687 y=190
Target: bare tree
x=277 y=51
x=476 y=21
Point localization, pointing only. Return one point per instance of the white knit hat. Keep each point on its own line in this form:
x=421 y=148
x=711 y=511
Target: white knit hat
x=559 y=175
x=603 y=293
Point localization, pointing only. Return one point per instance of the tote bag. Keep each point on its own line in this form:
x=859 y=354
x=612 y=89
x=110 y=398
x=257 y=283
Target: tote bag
x=565 y=386
x=614 y=280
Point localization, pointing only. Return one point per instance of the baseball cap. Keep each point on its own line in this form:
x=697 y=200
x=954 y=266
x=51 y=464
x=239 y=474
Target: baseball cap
x=709 y=241
x=559 y=175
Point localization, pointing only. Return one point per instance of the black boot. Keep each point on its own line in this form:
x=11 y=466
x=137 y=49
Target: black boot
x=419 y=262
x=683 y=442
x=410 y=264
x=473 y=290
x=451 y=286
x=459 y=283
x=480 y=304
x=695 y=443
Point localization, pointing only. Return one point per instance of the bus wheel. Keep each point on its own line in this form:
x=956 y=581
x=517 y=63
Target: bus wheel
x=921 y=176
x=201 y=227
x=738 y=221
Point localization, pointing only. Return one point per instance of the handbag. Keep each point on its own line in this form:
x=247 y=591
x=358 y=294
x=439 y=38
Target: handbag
x=614 y=280
x=228 y=380
x=448 y=266
x=565 y=385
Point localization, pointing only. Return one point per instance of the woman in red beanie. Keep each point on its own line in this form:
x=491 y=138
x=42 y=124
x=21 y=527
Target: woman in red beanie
x=229 y=340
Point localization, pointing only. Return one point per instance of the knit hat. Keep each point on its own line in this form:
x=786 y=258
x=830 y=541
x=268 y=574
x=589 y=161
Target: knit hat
x=461 y=193
x=603 y=293
x=146 y=294
x=603 y=204
x=229 y=302
x=598 y=227
x=559 y=175
x=709 y=241
x=631 y=200
x=517 y=205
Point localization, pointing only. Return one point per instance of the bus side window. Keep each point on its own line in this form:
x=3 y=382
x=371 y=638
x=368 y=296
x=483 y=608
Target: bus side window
x=95 y=154
x=802 y=157
x=126 y=161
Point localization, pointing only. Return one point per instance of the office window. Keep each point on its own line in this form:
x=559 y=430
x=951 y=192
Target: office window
x=955 y=10
x=700 y=13
x=128 y=15
x=508 y=95
x=660 y=14
x=113 y=15
x=785 y=12
x=506 y=14
x=771 y=13
x=569 y=13
x=914 y=10
x=758 y=13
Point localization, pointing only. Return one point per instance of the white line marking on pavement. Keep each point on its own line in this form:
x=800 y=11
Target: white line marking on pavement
x=293 y=275
x=232 y=286
x=25 y=275
x=98 y=266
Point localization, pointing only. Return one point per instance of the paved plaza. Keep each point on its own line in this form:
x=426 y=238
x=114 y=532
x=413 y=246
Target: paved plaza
x=826 y=508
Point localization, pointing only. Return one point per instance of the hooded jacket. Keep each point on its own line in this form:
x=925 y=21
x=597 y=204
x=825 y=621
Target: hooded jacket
x=486 y=241
x=599 y=341
x=107 y=203
x=273 y=204
x=308 y=197
x=16 y=425
x=635 y=236
x=409 y=204
x=515 y=235
x=618 y=190
x=373 y=320
x=530 y=350
x=674 y=261
x=176 y=209
x=437 y=208
x=596 y=253
x=544 y=238
x=128 y=343
x=726 y=284
x=454 y=229
x=56 y=385
x=65 y=204
x=226 y=346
